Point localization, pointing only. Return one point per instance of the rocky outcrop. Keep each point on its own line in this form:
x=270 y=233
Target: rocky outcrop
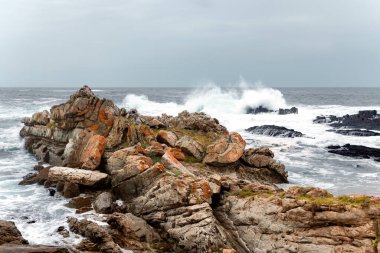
x=225 y=150
x=78 y=176
x=293 y=110
x=184 y=184
x=274 y=131
x=299 y=220
x=356 y=151
x=369 y=120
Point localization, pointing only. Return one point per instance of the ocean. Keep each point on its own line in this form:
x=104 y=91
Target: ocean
x=38 y=215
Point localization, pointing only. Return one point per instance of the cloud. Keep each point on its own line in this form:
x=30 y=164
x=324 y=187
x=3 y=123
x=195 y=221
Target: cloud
x=176 y=42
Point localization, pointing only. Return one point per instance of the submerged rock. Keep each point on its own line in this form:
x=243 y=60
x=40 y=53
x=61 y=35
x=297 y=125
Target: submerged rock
x=257 y=110
x=293 y=110
x=275 y=131
x=356 y=151
x=355 y=132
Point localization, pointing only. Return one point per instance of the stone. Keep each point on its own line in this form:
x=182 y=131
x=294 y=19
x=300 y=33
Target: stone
x=293 y=110
x=9 y=234
x=78 y=176
x=133 y=227
x=357 y=151
x=170 y=162
x=167 y=137
x=190 y=147
x=70 y=190
x=104 y=203
x=257 y=110
x=39 y=177
x=225 y=151
x=93 y=152
x=274 y=131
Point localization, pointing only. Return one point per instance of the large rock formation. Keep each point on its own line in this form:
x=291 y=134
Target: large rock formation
x=274 y=131
x=183 y=184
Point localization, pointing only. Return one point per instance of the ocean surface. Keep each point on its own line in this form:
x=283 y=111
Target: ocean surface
x=38 y=215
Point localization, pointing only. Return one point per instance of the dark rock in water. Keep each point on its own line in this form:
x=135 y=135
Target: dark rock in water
x=257 y=110
x=325 y=119
x=369 y=120
x=355 y=132
x=356 y=151
x=293 y=110
x=275 y=131
x=51 y=192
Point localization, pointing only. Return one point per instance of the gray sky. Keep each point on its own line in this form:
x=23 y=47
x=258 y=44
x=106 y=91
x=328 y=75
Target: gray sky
x=185 y=43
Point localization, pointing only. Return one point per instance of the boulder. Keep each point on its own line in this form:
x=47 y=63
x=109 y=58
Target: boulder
x=38 y=177
x=225 y=150
x=133 y=227
x=104 y=203
x=257 y=110
x=93 y=152
x=258 y=157
x=70 y=190
x=9 y=234
x=77 y=176
x=274 y=131
x=167 y=137
x=190 y=147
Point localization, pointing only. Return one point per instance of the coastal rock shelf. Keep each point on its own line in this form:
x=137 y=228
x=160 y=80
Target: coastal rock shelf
x=182 y=184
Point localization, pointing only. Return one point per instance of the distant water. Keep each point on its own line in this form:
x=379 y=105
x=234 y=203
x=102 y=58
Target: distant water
x=305 y=158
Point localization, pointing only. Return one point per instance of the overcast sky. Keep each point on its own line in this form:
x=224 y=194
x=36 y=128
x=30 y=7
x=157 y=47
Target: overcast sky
x=185 y=43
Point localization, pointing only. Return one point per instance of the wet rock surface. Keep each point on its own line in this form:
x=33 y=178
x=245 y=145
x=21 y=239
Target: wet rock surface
x=356 y=151
x=275 y=131
x=368 y=119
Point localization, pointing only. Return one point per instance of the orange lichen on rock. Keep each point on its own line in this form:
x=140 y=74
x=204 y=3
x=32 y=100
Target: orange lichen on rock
x=206 y=190
x=93 y=152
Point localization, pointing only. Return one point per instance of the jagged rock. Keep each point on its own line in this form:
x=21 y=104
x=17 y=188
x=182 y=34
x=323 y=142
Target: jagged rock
x=355 y=132
x=198 y=121
x=154 y=122
x=133 y=187
x=194 y=229
x=9 y=234
x=271 y=221
x=257 y=110
x=274 y=131
x=293 y=110
x=167 y=137
x=104 y=203
x=127 y=167
x=170 y=162
x=190 y=147
x=93 y=152
x=70 y=190
x=133 y=227
x=356 y=151
x=95 y=234
x=84 y=150
x=225 y=150
x=6 y=248
x=77 y=176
